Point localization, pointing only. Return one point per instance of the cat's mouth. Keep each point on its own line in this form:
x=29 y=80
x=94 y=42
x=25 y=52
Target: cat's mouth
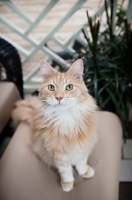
x=60 y=104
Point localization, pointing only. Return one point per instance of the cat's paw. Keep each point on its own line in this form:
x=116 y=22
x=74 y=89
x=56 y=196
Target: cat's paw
x=67 y=186
x=89 y=174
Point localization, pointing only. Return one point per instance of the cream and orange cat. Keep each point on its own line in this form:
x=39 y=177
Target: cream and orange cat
x=63 y=122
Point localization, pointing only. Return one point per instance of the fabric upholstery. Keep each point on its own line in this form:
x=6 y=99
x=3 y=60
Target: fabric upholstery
x=23 y=176
x=8 y=96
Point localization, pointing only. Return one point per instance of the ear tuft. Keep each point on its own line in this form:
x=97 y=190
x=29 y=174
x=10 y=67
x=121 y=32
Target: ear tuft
x=77 y=69
x=46 y=70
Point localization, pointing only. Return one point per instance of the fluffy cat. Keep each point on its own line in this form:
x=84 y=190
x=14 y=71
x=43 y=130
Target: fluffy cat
x=63 y=122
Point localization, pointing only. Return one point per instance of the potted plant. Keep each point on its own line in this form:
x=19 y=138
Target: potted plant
x=108 y=62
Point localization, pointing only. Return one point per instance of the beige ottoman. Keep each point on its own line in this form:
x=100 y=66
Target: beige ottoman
x=23 y=176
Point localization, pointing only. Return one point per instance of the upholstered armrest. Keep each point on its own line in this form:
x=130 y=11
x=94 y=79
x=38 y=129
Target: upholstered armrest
x=24 y=176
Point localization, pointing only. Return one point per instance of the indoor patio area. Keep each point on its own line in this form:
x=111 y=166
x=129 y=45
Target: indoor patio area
x=60 y=32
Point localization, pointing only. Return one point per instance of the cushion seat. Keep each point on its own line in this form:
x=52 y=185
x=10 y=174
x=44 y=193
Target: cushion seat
x=24 y=176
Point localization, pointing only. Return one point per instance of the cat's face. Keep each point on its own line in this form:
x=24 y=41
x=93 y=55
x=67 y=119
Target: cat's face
x=62 y=90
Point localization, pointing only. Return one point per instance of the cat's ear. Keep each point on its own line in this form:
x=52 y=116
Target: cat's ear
x=46 y=70
x=77 y=69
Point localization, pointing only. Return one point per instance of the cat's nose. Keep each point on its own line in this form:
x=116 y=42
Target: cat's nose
x=59 y=98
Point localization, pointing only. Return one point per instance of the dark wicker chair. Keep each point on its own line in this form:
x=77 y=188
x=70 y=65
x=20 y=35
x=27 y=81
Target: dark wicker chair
x=10 y=65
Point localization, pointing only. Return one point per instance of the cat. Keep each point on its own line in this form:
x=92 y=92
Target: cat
x=63 y=122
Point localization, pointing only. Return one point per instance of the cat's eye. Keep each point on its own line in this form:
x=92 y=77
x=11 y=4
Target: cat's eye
x=51 y=87
x=69 y=87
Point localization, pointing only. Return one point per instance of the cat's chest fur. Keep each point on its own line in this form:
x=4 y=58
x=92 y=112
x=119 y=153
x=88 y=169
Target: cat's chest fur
x=66 y=122
x=67 y=132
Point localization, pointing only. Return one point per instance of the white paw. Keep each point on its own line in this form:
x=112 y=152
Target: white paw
x=89 y=174
x=67 y=186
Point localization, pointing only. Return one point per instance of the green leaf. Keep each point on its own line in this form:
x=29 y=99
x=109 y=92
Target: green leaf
x=106 y=101
x=108 y=20
x=95 y=83
x=114 y=100
x=102 y=89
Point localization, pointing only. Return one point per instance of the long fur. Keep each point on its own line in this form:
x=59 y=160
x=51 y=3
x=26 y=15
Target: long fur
x=64 y=133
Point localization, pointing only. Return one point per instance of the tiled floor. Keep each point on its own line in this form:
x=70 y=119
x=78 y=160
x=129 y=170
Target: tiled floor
x=125 y=191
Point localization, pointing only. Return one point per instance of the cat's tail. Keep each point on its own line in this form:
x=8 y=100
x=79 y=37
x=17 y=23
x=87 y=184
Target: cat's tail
x=23 y=112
